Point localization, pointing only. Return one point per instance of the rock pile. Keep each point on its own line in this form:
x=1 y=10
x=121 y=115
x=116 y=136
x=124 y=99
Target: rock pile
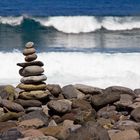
x=36 y=111
x=33 y=79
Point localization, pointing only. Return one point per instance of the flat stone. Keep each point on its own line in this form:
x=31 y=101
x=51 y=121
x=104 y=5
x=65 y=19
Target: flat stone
x=32 y=133
x=60 y=106
x=28 y=51
x=31 y=57
x=39 y=114
x=31 y=87
x=30 y=109
x=4 y=126
x=39 y=138
x=29 y=45
x=101 y=100
x=69 y=92
x=126 y=135
x=88 y=89
x=120 y=90
x=54 y=89
x=134 y=105
x=33 y=63
x=28 y=103
x=33 y=79
x=11 y=105
x=37 y=94
x=31 y=71
x=31 y=123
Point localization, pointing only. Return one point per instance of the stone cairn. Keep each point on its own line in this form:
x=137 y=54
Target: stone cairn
x=33 y=78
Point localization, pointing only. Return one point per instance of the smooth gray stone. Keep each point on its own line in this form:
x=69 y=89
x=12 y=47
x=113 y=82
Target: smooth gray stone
x=33 y=79
x=28 y=51
x=31 y=71
x=29 y=45
x=33 y=63
x=31 y=57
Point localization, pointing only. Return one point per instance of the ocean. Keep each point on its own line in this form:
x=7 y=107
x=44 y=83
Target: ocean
x=94 y=42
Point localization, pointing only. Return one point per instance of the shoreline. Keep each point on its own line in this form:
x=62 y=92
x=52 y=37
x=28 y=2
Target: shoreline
x=64 y=113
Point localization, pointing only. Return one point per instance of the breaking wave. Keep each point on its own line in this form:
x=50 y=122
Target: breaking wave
x=77 y=24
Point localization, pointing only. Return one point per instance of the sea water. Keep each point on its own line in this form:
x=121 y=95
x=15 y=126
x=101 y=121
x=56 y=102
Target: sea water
x=80 y=41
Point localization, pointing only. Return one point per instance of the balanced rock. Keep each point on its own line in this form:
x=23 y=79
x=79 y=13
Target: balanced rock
x=29 y=45
x=28 y=51
x=31 y=71
x=31 y=57
x=33 y=79
x=33 y=63
x=30 y=87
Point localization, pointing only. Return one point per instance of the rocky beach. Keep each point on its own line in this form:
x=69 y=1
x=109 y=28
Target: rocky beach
x=37 y=110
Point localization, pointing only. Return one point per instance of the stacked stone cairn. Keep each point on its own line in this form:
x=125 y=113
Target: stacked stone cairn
x=32 y=82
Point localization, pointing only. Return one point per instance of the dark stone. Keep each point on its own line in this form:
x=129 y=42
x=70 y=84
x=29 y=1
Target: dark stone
x=11 y=134
x=135 y=114
x=120 y=90
x=90 y=131
x=28 y=103
x=69 y=92
x=101 y=100
x=88 y=89
x=33 y=63
x=35 y=114
x=54 y=89
x=31 y=57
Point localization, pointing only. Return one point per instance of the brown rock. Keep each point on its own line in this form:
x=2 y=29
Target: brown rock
x=31 y=123
x=60 y=106
x=126 y=135
x=135 y=114
x=11 y=105
x=39 y=138
x=4 y=126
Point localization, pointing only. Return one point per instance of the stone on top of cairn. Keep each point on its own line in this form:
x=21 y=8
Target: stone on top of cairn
x=32 y=81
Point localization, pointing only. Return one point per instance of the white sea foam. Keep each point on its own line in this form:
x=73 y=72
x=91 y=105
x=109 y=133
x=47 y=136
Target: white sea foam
x=78 y=24
x=14 y=21
x=96 y=69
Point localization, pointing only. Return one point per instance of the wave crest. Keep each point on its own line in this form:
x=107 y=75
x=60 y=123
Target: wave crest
x=78 y=24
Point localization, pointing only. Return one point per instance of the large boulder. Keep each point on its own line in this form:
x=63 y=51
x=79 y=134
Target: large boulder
x=31 y=71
